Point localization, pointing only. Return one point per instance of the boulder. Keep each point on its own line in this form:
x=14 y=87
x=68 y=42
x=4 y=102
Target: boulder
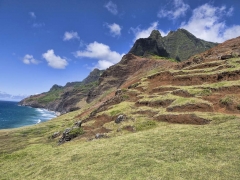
x=78 y=124
x=70 y=133
x=99 y=136
x=55 y=134
x=118 y=91
x=65 y=136
x=227 y=56
x=120 y=118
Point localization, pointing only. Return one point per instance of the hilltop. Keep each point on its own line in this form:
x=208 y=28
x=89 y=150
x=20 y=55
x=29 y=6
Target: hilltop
x=148 y=117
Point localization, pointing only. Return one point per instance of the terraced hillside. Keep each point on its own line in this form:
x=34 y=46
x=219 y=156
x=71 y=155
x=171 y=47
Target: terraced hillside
x=197 y=94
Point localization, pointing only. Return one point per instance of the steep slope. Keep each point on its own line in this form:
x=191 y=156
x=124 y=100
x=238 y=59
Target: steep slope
x=153 y=45
x=64 y=98
x=179 y=45
x=199 y=91
x=129 y=68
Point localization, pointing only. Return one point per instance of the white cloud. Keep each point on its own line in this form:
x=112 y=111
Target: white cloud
x=231 y=32
x=32 y=14
x=28 y=59
x=102 y=53
x=111 y=7
x=115 y=29
x=230 y=12
x=54 y=61
x=207 y=22
x=179 y=9
x=38 y=25
x=145 y=33
x=70 y=35
x=35 y=24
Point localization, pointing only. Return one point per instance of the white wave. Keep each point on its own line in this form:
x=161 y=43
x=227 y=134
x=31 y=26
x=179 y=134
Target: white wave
x=39 y=110
x=45 y=115
x=39 y=120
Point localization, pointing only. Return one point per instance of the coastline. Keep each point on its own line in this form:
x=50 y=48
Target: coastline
x=14 y=115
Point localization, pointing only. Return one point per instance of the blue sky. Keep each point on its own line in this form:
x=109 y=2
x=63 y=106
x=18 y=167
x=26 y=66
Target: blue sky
x=46 y=42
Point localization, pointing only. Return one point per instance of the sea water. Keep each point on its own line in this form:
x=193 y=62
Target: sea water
x=12 y=115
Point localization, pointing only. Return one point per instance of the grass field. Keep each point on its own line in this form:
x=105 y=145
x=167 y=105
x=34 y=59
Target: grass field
x=167 y=151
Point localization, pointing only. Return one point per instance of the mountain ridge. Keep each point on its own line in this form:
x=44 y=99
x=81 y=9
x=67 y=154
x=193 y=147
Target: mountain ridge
x=64 y=99
x=179 y=45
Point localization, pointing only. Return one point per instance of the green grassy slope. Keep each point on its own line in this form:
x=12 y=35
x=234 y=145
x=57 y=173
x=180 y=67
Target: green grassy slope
x=167 y=151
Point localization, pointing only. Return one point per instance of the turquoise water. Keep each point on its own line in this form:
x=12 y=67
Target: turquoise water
x=13 y=116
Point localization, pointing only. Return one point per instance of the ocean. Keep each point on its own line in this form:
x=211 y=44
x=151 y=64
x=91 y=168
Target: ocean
x=12 y=115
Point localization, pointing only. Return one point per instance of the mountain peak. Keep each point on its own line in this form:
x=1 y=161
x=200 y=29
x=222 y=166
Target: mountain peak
x=93 y=76
x=55 y=87
x=155 y=34
x=179 y=45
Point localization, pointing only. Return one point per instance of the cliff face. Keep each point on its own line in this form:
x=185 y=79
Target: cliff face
x=179 y=45
x=64 y=98
x=153 y=45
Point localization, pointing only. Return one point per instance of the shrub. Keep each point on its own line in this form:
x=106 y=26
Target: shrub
x=227 y=100
x=125 y=97
x=115 y=112
x=205 y=92
x=238 y=106
x=76 y=132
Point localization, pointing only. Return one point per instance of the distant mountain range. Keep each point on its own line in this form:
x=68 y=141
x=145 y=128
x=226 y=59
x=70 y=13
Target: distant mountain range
x=9 y=97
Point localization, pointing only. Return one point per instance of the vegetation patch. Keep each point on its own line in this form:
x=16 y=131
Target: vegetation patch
x=227 y=100
x=156 y=57
x=199 y=91
x=222 y=119
x=183 y=101
x=216 y=118
x=50 y=96
x=158 y=99
x=76 y=132
x=121 y=108
x=145 y=125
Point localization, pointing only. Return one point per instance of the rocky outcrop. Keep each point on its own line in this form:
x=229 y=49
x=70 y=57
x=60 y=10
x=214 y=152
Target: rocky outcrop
x=179 y=45
x=120 y=118
x=150 y=46
x=71 y=133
